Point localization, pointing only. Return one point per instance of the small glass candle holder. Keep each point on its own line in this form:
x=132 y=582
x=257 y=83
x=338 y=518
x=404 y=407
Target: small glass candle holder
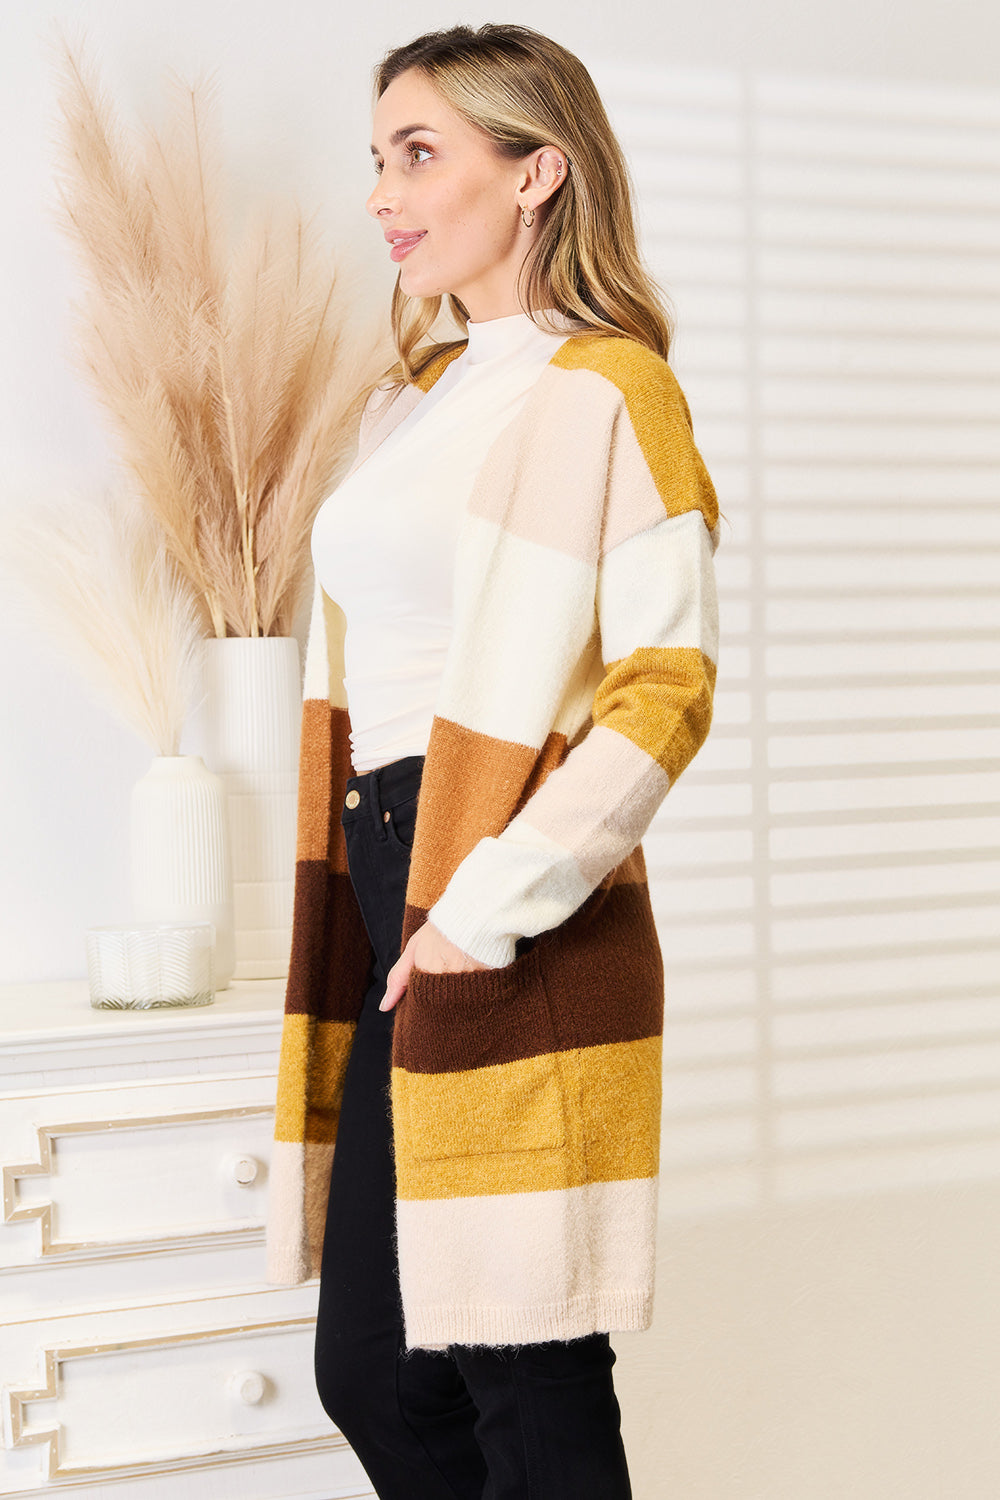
x=151 y=965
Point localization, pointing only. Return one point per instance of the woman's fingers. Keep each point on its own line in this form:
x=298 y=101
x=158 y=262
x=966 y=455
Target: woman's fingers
x=430 y=950
x=398 y=976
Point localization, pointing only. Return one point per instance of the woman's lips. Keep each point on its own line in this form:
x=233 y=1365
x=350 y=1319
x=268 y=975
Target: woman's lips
x=402 y=244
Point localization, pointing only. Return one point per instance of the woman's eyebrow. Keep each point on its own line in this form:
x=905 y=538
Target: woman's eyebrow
x=398 y=136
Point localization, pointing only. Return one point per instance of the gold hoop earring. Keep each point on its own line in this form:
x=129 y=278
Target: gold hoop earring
x=524 y=217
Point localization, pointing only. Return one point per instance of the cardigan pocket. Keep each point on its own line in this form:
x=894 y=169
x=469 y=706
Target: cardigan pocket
x=480 y=1071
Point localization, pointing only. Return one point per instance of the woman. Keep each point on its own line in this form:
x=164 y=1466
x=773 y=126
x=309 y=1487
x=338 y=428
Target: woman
x=525 y=633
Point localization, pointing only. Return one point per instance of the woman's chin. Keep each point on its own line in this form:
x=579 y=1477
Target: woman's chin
x=414 y=285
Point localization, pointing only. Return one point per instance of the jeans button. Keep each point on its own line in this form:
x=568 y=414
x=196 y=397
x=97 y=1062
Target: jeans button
x=352 y=799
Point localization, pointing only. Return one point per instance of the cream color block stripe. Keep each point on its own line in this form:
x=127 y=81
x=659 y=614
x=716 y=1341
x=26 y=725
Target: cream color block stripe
x=315 y=680
x=525 y=881
x=658 y=590
x=287 y=1247
x=530 y=611
x=325 y=645
x=438 y=1326
x=487 y=1290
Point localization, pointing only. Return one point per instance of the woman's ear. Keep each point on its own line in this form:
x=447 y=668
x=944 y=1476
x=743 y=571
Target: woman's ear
x=545 y=171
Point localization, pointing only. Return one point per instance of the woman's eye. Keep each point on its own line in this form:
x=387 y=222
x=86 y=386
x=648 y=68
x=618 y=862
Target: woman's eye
x=416 y=151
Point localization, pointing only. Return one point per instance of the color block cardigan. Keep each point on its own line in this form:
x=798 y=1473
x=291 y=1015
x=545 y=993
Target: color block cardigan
x=578 y=684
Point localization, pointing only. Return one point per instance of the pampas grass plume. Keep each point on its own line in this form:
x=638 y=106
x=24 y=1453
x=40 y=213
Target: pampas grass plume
x=231 y=378
x=107 y=592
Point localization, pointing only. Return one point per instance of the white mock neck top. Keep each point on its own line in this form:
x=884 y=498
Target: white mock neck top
x=383 y=544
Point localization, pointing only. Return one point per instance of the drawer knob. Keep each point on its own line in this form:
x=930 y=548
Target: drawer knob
x=245 y=1170
x=250 y=1386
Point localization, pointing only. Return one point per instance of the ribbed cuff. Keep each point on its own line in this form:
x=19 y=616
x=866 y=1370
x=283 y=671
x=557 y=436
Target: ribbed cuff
x=496 y=950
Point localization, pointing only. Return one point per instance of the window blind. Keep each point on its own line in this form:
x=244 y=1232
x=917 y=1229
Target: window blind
x=825 y=875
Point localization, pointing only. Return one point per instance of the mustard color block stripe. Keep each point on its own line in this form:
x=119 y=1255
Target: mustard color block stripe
x=310 y=1077
x=537 y=1125
x=661 y=699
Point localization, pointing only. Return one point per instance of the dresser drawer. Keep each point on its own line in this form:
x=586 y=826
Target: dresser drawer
x=97 y=1173
x=154 y=1391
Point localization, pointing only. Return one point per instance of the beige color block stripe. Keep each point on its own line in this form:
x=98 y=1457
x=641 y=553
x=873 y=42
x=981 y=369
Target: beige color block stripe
x=386 y=408
x=537 y=1125
x=658 y=590
x=501 y=1295
x=541 y=507
x=597 y=816
x=658 y=413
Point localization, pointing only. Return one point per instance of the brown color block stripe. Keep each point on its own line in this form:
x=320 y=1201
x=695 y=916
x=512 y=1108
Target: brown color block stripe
x=495 y=776
x=656 y=688
x=551 y=999
x=340 y=769
x=540 y=1125
x=659 y=414
x=331 y=955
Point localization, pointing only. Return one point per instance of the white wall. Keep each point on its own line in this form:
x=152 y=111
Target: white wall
x=821 y=191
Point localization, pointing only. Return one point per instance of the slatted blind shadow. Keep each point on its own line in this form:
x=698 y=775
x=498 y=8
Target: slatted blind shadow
x=825 y=875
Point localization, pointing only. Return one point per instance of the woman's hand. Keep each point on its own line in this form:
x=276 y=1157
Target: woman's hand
x=431 y=951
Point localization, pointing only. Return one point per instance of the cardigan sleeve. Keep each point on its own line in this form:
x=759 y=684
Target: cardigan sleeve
x=657 y=616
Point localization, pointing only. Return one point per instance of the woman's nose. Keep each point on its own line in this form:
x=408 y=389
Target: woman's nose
x=379 y=199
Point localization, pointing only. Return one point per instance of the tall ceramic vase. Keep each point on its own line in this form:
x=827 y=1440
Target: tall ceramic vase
x=250 y=726
x=181 y=869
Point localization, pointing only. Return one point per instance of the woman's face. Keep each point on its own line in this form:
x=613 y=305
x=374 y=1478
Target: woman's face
x=446 y=201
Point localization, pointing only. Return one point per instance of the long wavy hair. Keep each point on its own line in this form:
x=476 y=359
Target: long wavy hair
x=524 y=91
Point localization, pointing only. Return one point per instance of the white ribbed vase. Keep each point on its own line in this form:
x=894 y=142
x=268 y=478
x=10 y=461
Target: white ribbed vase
x=181 y=870
x=250 y=723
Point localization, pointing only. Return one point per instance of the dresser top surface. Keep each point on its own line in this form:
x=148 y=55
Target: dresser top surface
x=51 y=1010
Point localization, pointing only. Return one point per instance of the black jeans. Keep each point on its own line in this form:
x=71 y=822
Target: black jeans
x=525 y=1422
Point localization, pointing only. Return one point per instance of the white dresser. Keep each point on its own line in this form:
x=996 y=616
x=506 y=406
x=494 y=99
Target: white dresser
x=142 y=1353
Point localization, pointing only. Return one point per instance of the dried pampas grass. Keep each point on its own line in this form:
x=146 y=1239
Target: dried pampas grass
x=232 y=381
x=110 y=596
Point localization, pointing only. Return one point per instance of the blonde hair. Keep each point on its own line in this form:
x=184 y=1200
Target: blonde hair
x=524 y=92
